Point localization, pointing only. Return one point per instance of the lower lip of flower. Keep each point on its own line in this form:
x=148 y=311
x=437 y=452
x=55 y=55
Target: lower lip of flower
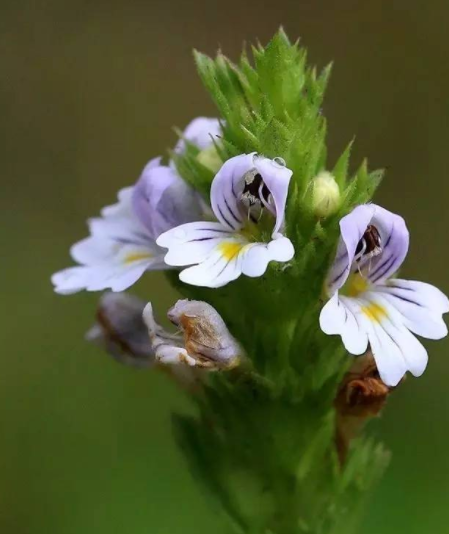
x=375 y=312
x=230 y=249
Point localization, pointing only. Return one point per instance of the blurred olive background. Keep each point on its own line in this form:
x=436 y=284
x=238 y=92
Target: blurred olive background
x=89 y=91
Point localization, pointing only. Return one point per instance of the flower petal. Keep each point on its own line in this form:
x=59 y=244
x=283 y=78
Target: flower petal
x=256 y=257
x=192 y=243
x=201 y=132
x=196 y=231
x=276 y=177
x=352 y=228
x=340 y=317
x=372 y=318
x=421 y=306
x=399 y=350
x=223 y=265
x=227 y=188
x=394 y=241
x=123 y=207
x=162 y=200
x=70 y=280
x=93 y=250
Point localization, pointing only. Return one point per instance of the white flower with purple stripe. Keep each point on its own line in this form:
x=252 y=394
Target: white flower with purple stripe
x=122 y=242
x=370 y=307
x=248 y=198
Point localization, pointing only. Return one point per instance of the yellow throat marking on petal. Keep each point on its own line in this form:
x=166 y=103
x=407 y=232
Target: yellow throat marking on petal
x=375 y=312
x=230 y=249
x=136 y=256
x=355 y=285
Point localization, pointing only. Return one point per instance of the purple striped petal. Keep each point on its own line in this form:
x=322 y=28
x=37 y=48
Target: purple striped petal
x=394 y=241
x=202 y=131
x=229 y=183
x=227 y=188
x=277 y=178
x=352 y=228
x=162 y=200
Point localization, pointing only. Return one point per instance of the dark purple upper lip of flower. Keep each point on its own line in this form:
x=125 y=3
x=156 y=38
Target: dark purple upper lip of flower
x=374 y=241
x=246 y=180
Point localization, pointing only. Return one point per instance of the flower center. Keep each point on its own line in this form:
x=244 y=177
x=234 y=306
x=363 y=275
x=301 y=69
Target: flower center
x=375 y=312
x=136 y=256
x=256 y=195
x=369 y=246
x=230 y=249
x=355 y=285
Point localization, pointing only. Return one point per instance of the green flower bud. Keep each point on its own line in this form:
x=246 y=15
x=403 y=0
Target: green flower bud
x=210 y=158
x=326 y=194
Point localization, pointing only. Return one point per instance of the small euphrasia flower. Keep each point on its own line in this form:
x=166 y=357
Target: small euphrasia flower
x=369 y=305
x=245 y=190
x=122 y=242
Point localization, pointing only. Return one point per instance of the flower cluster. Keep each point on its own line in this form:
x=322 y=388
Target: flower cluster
x=163 y=223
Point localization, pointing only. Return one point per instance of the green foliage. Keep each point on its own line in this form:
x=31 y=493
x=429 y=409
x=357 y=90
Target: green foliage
x=263 y=442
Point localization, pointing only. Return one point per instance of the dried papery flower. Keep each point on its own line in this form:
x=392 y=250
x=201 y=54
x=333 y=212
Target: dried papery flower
x=361 y=396
x=120 y=330
x=206 y=336
x=205 y=341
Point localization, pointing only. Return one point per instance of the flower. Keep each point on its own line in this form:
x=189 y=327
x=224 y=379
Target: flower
x=122 y=244
x=369 y=306
x=201 y=132
x=120 y=330
x=248 y=192
x=205 y=342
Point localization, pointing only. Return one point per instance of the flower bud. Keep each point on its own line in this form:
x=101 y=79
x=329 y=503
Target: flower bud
x=325 y=195
x=120 y=330
x=210 y=158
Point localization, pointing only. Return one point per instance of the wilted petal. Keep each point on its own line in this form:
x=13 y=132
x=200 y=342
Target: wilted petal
x=200 y=132
x=206 y=336
x=162 y=200
x=169 y=348
x=121 y=331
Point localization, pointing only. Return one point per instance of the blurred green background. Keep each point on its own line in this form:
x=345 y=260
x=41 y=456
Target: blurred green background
x=89 y=91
